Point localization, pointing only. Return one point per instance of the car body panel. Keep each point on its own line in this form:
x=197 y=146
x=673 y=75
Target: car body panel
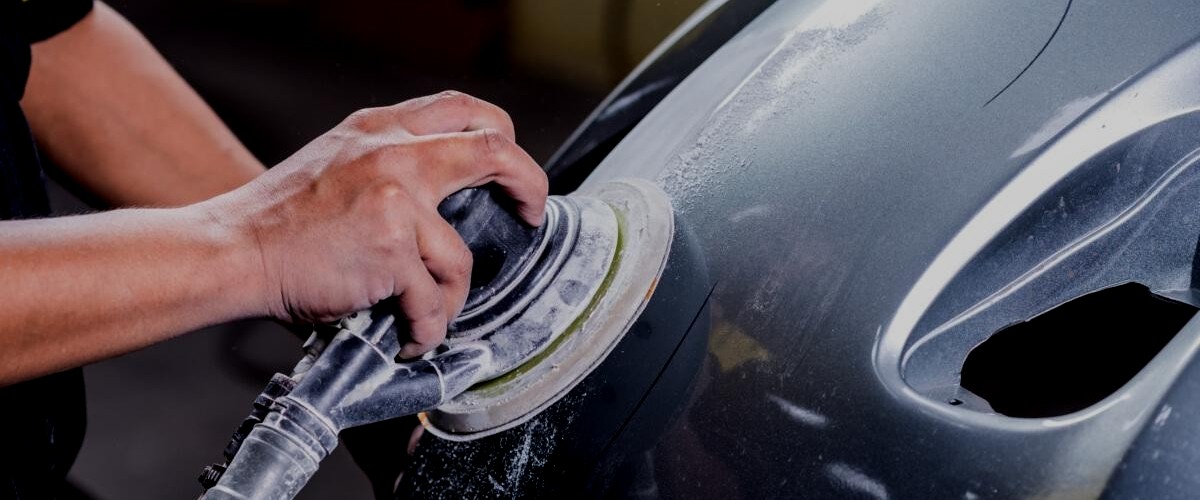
x=838 y=165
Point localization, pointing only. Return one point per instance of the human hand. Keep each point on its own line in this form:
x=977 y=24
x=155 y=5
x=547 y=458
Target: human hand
x=351 y=218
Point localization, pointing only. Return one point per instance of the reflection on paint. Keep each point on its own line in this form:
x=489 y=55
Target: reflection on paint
x=852 y=479
x=732 y=347
x=624 y=102
x=798 y=413
x=1064 y=116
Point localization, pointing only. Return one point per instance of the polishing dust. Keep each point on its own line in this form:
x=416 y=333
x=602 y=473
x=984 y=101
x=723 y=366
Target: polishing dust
x=507 y=465
x=719 y=152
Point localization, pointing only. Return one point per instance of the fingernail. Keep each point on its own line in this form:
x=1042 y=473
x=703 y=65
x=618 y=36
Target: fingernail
x=410 y=350
x=414 y=439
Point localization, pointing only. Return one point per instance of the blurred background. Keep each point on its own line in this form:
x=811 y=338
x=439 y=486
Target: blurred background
x=281 y=72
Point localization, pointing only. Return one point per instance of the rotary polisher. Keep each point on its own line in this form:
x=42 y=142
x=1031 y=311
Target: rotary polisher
x=546 y=305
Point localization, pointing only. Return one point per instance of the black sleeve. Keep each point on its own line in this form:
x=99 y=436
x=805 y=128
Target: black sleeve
x=42 y=19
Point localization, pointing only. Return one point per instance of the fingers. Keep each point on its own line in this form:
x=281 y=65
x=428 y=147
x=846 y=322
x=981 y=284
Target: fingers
x=448 y=260
x=455 y=161
x=421 y=301
x=430 y=148
x=451 y=111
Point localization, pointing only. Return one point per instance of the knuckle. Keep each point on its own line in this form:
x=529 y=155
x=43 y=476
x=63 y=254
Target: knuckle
x=429 y=322
x=393 y=241
x=501 y=114
x=453 y=103
x=543 y=183
x=491 y=142
x=363 y=119
x=410 y=105
x=452 y=97
x=388 y=203
x=505 y=117
x=387 y=192
x=460 y=262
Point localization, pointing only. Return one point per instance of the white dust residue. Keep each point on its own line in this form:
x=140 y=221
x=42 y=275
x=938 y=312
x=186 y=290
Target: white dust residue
x=724 y=147
x=511 y=468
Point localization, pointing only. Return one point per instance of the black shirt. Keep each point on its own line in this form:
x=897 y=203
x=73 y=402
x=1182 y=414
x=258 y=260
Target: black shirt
x=41 y=421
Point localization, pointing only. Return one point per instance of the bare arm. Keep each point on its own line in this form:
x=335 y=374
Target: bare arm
x=348 y=221
x=112 y=113
x=83 y=288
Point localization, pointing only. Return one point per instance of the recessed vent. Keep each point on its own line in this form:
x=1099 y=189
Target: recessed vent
x=1074 y=355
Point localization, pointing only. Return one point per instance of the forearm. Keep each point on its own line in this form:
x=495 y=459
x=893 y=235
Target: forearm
x=80 y=289
x=110 y=111
x=348 y=221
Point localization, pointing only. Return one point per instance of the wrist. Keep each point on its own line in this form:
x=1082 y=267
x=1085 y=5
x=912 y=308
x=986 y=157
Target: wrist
x=238 y=257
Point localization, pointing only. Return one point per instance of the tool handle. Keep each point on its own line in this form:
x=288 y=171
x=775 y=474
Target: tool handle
x=501 y=243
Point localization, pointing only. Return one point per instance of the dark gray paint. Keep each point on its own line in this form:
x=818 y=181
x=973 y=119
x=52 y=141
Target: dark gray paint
x=705 y=31
x=841 y=164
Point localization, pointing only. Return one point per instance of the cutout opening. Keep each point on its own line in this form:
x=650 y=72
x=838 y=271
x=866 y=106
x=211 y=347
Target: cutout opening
x=1074 y=355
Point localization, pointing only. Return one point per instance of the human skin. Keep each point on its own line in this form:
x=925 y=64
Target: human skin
x=117 y=119
x=348 y=221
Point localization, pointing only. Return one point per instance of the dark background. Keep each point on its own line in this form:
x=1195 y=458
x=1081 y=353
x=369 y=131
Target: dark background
x=281 y=72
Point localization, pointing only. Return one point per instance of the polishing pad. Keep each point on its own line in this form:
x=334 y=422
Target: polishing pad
x=619 y=245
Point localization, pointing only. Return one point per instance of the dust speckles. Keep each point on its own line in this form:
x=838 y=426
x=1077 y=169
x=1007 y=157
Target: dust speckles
x=724 y=148
x=572 y=292
x=514 y=464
